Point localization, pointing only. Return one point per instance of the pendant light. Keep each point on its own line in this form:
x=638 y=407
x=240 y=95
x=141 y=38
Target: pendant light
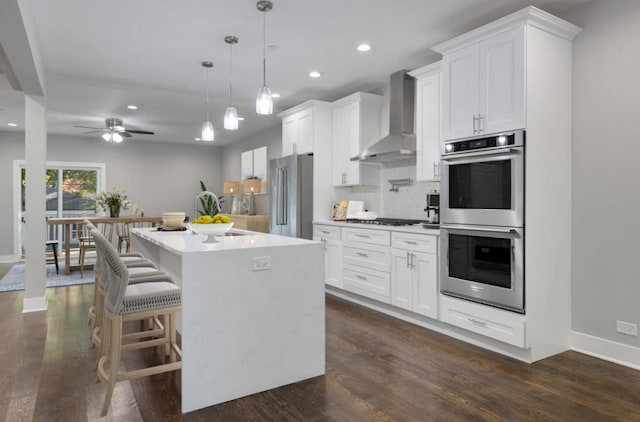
x=207 y=127
x=264 y=102
x=231 y=114
x=112 y=137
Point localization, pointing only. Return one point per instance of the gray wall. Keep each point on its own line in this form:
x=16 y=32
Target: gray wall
x=231 y=163
x=156 y=176
x=606 y=173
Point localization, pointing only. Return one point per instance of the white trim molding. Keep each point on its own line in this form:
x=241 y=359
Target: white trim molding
x=34 y=304
x=8 y=259
x=612 y=351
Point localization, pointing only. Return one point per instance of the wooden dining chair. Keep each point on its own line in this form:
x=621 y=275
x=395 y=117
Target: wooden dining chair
x=87 y=242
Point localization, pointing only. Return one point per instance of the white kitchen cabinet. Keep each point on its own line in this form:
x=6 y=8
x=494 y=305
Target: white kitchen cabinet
x=356 y=124
x=302 y=125
x=330 y=238
x=483 y=85
x=428 y=118
x=366 y=263
x=414 y=273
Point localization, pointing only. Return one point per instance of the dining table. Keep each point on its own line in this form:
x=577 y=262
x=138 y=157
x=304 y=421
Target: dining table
x=67 y=222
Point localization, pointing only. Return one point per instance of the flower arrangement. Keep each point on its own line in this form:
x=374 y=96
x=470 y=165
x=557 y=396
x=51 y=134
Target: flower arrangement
x=113 y=200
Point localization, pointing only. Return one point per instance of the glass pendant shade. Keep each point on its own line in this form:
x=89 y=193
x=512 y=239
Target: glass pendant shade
x=112 y=137
x=231 y=118
x=116 y=138
x=264 y=102
x=106 y=137
x=207 y=132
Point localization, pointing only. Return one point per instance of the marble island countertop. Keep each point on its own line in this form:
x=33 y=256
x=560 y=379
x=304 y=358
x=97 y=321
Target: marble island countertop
x=185 y=242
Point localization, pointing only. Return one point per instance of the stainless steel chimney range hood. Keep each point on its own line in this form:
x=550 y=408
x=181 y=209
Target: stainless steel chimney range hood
x=400 y=144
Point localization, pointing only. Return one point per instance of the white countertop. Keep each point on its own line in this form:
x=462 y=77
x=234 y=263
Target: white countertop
x=184 y=242
x=416 y=228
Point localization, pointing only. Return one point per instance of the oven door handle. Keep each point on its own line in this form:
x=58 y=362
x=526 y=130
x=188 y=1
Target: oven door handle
x=501 y=151
x=480 y=229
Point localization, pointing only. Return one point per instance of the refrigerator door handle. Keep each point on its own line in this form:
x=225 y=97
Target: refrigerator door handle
x=285 y=196
x=278 y=196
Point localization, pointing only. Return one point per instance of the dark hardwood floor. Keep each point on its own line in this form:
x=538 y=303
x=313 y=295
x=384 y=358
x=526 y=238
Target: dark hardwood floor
x=378 y=369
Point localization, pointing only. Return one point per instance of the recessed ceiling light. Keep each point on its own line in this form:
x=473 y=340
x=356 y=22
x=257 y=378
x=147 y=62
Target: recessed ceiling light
x=196 y=139
x=240 y=118
x=132 y=107
x=364 y=47
x=275 y=95
x=315 y=74
x=12 y=124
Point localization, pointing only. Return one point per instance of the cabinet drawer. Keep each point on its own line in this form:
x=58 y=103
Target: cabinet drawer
x=326 y=232
x=415 y=242
x=501 y=325
x=370 y=256
x=376 y=237
x=372 y=284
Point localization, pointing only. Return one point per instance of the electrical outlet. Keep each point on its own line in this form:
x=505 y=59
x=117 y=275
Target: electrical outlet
x=261 y=263
x=627 y=328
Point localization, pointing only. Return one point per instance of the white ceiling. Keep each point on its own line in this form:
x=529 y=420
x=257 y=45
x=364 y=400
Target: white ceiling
x=101 y=56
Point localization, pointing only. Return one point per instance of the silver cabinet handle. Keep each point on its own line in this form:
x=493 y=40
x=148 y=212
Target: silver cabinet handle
x=435 y=170
x=362 y=254
x=480 y=123
x=477 y=322
x=325 y=231
x=408 y=260
x=486 y=229
x=413 y=261
x=410 y=242
x=364 y=236
x=475 y=120
x=361 y=277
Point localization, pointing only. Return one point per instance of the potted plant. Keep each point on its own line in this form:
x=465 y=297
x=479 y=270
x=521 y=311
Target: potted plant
x=112 y=201
x=209 y=206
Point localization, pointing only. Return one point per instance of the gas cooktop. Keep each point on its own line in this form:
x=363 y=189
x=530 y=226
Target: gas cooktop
x=387 y=221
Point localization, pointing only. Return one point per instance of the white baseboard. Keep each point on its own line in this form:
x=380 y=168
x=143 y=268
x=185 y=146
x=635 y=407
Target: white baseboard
x=611 y=351
x=34 y=304
x=5 y=259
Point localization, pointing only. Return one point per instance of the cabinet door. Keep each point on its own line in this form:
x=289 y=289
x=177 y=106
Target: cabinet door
x=401 y=279
x=333 y=263
x=460 y=92
x=428 y=128
x=289 y=134
x=502 y=91
x=345 y=144
x=304 y=140
x=425 y=293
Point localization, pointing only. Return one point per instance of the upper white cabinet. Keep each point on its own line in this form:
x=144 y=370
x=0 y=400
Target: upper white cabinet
x=301 y=126
x=428 y=118
x=356 y=124
x=483 y=85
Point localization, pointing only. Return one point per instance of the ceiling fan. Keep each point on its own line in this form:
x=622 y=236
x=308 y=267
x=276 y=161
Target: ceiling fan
x=114 y=130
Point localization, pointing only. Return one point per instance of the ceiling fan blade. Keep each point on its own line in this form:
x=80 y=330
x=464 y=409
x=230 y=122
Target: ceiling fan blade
x=87 y=127
x=141 y=132
x=93 y=131
x=124 y=134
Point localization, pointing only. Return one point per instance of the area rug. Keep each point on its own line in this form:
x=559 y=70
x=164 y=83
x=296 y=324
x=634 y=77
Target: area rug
x=14 y=278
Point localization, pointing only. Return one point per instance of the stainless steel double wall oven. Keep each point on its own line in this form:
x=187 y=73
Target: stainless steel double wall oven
x=482 y=220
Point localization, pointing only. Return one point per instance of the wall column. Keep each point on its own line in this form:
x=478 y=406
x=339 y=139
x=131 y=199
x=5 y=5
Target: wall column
x=35 y=197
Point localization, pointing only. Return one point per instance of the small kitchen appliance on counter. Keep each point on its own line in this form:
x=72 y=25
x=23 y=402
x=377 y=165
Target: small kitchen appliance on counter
x=433 y=208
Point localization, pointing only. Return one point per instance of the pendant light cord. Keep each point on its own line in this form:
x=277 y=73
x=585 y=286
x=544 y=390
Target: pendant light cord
x=230 y=75
x=207 y=94
x=264 y=48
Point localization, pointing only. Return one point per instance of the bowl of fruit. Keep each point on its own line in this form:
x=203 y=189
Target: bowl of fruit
x=211 y=226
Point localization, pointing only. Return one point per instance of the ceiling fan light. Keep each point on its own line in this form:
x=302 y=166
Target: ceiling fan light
x=264 y=102
x=117 y=138
x=106 y=137
x=231 y=118
x=207 y=132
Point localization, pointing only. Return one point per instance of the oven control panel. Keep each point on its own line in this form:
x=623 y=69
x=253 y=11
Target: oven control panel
x=512 y=139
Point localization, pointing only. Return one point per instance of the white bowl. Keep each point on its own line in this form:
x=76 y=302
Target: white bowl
x=173 y=219
x=210 y=230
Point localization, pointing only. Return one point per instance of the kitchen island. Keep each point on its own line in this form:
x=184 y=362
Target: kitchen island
x=252 y=310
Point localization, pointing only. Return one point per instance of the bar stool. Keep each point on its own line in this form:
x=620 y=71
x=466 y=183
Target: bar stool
x=156 y=296
x=131 y=260
x=87 y=243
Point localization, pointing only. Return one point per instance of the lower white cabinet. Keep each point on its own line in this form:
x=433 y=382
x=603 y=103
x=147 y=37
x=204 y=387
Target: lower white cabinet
x=498 y=324
x=366 y=282
x=331 y=239
x=414 y=273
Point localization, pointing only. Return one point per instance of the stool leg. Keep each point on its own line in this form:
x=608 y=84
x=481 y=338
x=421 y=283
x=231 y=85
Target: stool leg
x=172 y=322
x=81 y=261
x=55 y=255
x=116 y=344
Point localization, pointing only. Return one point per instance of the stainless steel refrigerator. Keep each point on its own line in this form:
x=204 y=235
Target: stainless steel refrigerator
x=291 y=196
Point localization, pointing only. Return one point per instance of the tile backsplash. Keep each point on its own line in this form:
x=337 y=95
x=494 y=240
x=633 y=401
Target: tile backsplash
x=408 y=202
